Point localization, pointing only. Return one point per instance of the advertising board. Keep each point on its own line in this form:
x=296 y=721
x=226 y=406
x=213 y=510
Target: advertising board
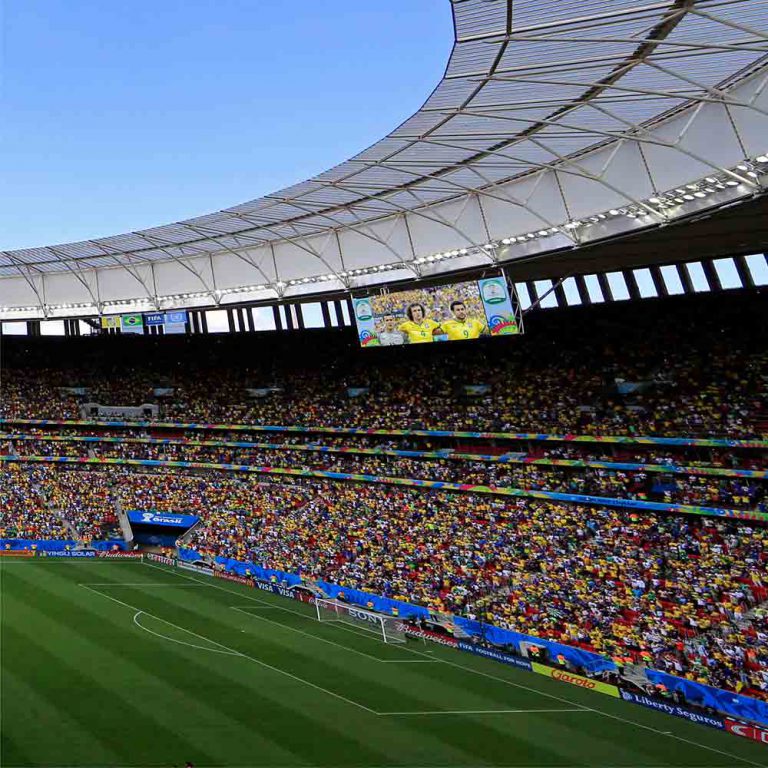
x=496 y=655
x=564 y=676
x=204 y=569
x=670 y=708
x=78 y=553
x=747 y=731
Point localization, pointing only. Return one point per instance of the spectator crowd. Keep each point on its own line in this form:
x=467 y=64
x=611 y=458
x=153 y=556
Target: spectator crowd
x=692 y=373
x=676 y=593
x=671 y=592
x=696 y=488
x=679 y=593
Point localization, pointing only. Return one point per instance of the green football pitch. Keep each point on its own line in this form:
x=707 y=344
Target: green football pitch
x=129 y=664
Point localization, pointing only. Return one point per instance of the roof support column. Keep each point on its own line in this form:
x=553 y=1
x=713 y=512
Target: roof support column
x=685 y=278
x=742 y=268
x=712 y=277
x=581 y=286
x=658 y=282
x=632 y=286
x=605 y=286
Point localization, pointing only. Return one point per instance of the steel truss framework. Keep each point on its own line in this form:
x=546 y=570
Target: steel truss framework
x=557 y=123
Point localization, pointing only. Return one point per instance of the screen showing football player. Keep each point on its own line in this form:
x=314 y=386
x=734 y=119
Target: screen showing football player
x=390 y=336
x=418 y=327
x=461 y=326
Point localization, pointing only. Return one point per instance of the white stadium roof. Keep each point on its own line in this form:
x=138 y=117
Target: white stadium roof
x=557 y=123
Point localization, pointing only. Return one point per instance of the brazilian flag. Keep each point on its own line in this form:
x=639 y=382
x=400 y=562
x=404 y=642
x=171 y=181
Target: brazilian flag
x=132 y=323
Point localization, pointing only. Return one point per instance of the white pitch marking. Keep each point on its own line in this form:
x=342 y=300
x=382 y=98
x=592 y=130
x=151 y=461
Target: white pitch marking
x=139 y=584
x=483 y=712
x=524 y=687
x=243 y=655
x=358 y=633
x=173 y=640
x=330 y=642
x=605 y=714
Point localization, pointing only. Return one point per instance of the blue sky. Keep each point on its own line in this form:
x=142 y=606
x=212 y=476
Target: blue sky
x=124 y=114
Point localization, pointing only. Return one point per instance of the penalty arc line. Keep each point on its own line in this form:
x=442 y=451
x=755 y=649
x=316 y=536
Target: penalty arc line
x=243 y=655
x=667 y=734
x=357 y=633
x=173 y=640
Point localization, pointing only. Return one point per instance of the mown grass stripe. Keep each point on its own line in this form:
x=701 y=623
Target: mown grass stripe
x=307 y=724
x=106 y=713
x=711 y=744
x=359 y=680
x=168 y=692
x=406 y=687
x=22 y=742
x=242 y=716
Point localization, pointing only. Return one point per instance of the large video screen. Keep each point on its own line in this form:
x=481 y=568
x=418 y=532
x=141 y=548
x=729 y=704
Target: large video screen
x=458 y=312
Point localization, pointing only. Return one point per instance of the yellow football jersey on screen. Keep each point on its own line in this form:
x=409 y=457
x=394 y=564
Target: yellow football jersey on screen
x=456 y=330
x=418 y=333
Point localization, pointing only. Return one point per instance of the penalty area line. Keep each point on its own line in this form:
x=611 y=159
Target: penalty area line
x=668 y=734
x=313 y=636
x=358 y=633
x=173 y=639
x=140 y=584
x=235 y=652
x=603 y=713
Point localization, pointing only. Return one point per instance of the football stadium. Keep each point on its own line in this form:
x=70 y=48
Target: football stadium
x=454 y=455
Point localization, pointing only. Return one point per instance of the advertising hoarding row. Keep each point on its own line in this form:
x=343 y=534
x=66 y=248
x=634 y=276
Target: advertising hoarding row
x=699 y=442
x=170 y=322
x=748 y=729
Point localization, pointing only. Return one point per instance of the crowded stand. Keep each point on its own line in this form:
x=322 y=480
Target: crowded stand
x=679 y=593
x=43 y=503
x=670 y=592
x=203 y=494
x=24 y=509
x=673 y=488
x=84 y=500
x=50 y=502
x=753 y=457
x=690 y=371
x=639 y=586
